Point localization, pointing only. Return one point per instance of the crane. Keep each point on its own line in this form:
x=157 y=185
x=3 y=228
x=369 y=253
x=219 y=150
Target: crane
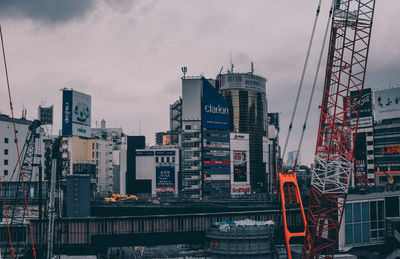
x=346 y=67
x=348 y=49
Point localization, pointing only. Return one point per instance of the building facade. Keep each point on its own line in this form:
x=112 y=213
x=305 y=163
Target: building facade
x=204 y=141
x=9 y=169
x=387 y=135
x=157 y=169
x=246 y=97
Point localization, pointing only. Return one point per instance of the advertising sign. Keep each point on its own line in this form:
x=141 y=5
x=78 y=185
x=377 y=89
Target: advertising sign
x=363 y=106
x=215 y=110
x=76 y=113
x=239 y=166
x=388 y=150
x=387 y=104
x=165 y=179
x=241 y=81
x=363 y=122
x=166 y=140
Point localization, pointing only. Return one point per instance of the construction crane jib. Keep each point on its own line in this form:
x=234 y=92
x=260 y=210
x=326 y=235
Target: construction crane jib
x=345 y=71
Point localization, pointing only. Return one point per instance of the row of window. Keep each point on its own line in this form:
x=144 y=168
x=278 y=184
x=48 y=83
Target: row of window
x=6 y=140
x=165 y=159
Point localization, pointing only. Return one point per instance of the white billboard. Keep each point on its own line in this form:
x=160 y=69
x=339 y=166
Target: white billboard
x=387 y=104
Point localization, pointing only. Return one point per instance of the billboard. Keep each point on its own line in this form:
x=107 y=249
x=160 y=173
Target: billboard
x=46 y=115
x=215 y=110
x=365 y=108
x=76 y=113
x=165 y=178
x=166 y=140
x=387 y=104
x=240 y=166
x=242 y=81
x=389 y=150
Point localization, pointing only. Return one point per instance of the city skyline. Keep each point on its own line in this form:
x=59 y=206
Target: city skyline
x=128 y=55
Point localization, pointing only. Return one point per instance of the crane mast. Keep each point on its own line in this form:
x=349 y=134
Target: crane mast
x=345 y=72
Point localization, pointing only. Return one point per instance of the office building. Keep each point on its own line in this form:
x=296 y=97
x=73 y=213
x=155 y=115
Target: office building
x=387 y=135
x=157 y=170
x=205 y=140
x=245 y=94
x=364 y=145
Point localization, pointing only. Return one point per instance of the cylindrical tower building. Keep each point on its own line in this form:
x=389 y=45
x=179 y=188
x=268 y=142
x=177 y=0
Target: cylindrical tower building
x=246 y=96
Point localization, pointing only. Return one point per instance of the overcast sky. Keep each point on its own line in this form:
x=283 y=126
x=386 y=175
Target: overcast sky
x=128 y=54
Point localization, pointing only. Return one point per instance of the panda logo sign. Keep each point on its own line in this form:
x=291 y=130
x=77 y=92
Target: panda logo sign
x=82 y=112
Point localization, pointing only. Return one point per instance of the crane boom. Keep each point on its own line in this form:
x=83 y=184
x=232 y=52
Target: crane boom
x=346 y=66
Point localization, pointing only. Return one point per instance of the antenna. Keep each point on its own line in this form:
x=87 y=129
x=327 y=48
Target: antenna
x=220 y=71
x=252 y=67
x=230 y=58
x=184 y=70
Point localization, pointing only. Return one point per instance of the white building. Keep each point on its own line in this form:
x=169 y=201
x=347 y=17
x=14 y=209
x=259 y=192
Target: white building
x=8 y=151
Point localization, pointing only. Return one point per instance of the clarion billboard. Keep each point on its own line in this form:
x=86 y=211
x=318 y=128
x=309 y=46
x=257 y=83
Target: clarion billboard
x=215 y=110
x=76 y=114
x=387 y=104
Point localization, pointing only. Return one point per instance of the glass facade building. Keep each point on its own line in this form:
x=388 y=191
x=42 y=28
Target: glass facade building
x=245 y=95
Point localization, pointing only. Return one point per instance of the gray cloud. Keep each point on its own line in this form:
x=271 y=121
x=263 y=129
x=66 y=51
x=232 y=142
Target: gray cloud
x=47 y=11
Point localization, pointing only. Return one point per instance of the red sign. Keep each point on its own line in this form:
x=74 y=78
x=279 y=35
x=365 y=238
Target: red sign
x=216 y=162
x=391 y=149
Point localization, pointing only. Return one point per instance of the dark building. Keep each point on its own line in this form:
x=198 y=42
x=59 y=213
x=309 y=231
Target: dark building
x=134 y=186
x=245 y=94
x=77 y=197
x=387 y=135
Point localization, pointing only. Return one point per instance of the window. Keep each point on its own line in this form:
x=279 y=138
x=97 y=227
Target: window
x=5 y=161
x=93 y=154
x=173 y=159
x=5 y=151
x=6 y=140
x=5 y=172
x=97 y=154
x=167 y=159
x=157 y=159
x=92 y=145
x=162 y=159
x=188 y=127
x=97 y=145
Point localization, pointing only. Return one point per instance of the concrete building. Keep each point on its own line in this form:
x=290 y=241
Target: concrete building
x=157 y=169
x=111 y=162
x=245 y=94
x=78 y=150
x=9 y=156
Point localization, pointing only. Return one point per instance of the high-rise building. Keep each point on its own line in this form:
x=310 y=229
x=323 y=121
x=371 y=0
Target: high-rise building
x=205 y=141
x=387 y=135
x=364 y=145
x=246 y=97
